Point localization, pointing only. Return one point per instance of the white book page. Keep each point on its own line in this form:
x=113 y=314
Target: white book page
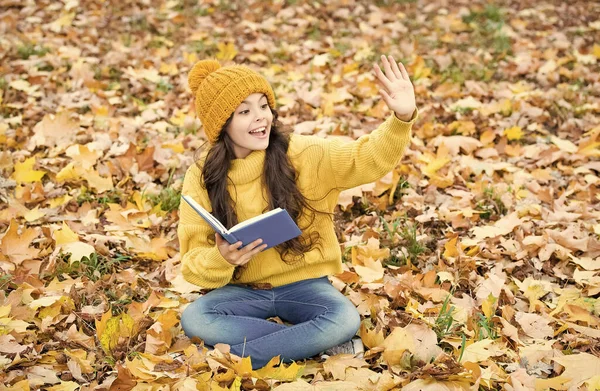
x=196 y=206
x=253 y=219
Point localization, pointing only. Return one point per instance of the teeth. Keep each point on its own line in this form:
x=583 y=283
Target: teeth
x=259 y=130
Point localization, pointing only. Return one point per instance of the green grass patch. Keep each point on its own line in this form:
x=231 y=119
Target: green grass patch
x=444 y=323
x=490 y=205
x=487 y=25
x=27 y=50
x=408 y=235
x=168 y=198
x=93 y=267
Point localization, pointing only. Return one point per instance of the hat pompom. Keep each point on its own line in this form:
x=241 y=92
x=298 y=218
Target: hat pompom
x=199 y=71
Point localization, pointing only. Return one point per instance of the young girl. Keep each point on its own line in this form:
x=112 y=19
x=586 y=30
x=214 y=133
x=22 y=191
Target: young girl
x=253 y=166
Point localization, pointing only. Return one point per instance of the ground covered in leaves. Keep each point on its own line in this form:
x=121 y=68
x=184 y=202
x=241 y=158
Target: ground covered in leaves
x=475 y=263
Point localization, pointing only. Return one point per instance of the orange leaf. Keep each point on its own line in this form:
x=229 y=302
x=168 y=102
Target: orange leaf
x=16 y=246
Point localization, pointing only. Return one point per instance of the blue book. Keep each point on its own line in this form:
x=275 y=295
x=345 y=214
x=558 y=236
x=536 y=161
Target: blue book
x=273 y=227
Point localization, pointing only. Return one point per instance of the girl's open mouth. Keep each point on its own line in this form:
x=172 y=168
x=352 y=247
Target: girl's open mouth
x=260 y=132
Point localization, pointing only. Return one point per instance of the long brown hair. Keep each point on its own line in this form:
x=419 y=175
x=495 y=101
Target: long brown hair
x=279 y=178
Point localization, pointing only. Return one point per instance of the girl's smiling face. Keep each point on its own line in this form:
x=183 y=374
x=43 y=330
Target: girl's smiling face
x=250 y=126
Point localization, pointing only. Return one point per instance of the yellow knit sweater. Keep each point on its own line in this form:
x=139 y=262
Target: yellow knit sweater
x=325 y=167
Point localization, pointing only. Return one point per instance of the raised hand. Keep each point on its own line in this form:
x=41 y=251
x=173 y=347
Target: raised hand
x=397 y=92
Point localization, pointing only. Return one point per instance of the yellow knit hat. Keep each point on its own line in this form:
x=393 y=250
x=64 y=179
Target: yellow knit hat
x=218 y=91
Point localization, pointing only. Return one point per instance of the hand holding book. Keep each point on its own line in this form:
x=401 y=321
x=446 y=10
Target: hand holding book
x=239 y=243
x=234 y=254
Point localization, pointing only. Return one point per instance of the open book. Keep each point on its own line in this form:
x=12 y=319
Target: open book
x=273 y=227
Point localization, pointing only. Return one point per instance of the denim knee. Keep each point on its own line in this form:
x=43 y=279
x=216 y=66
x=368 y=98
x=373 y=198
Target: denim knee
x=191 y=318
x=347 y=322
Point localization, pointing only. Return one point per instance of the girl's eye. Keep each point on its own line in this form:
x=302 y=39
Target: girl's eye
x=244 y=111
x=264 y=107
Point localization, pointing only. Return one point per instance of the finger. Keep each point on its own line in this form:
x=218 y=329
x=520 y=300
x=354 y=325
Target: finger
x=259 y=249
x=235 y=246
x=404 y=73
x=386 y=97
x=395 y=68
x=252 y=246
x=386 y=67
x=381 y=77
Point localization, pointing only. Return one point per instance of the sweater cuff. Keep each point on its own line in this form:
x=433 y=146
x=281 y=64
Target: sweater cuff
x=412 y=120
x=214 y=260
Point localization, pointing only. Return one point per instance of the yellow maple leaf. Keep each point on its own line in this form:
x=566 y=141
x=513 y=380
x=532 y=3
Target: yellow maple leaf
x=395 y=344
x=337 y=365
x=23 y=85
x=418 y=69
x=78 y=250
x=596 y=50
x=168 y=69
x=370 y=250
x=578 y=369
x=434 y=165
x=513 y=133
x=115 y=327
x=438 y=385
x=282 y=373
x=489 y=306
x=593 y=384
x=82 y=156
x=24 y=172
x=371 y=338
x=591 y=149
x=157 y=251
x=64 y=20
x=177 y=148
x=69 y=172
x=372 y=270
x=451 y=248
x=481 y=351
x=64 y=235
x=59 y=201
x=34 y=214
x=97 y=182
x=227 y=51
x=178 y=117
x=68 y=242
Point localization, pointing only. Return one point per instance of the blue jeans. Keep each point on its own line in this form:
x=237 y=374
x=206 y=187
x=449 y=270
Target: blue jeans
x=320 y=315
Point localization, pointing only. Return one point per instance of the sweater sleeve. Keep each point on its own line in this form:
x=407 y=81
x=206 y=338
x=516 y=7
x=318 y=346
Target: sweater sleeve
x=201 y=263
x=371 y=156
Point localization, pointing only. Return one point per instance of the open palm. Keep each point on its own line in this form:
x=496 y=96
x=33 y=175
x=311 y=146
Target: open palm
x=398 y=92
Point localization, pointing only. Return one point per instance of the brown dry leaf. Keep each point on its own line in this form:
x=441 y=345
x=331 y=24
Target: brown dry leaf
x=417 y=339
x=435 y=385
x=371 y=338
x=502 y=227
x=301 y=385
x=16 y=246
x=481 y=350
x=372 y=271
x=534 y=325
x=337 y=365
x=578 y=368
x=54 y=131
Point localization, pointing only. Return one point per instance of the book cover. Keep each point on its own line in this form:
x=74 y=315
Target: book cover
x=273 y=227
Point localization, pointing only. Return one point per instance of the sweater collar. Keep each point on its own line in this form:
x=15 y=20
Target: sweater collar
x=248 y=169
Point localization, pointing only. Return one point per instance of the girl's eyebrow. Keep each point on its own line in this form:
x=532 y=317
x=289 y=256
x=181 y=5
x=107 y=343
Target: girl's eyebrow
x=262 y=96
